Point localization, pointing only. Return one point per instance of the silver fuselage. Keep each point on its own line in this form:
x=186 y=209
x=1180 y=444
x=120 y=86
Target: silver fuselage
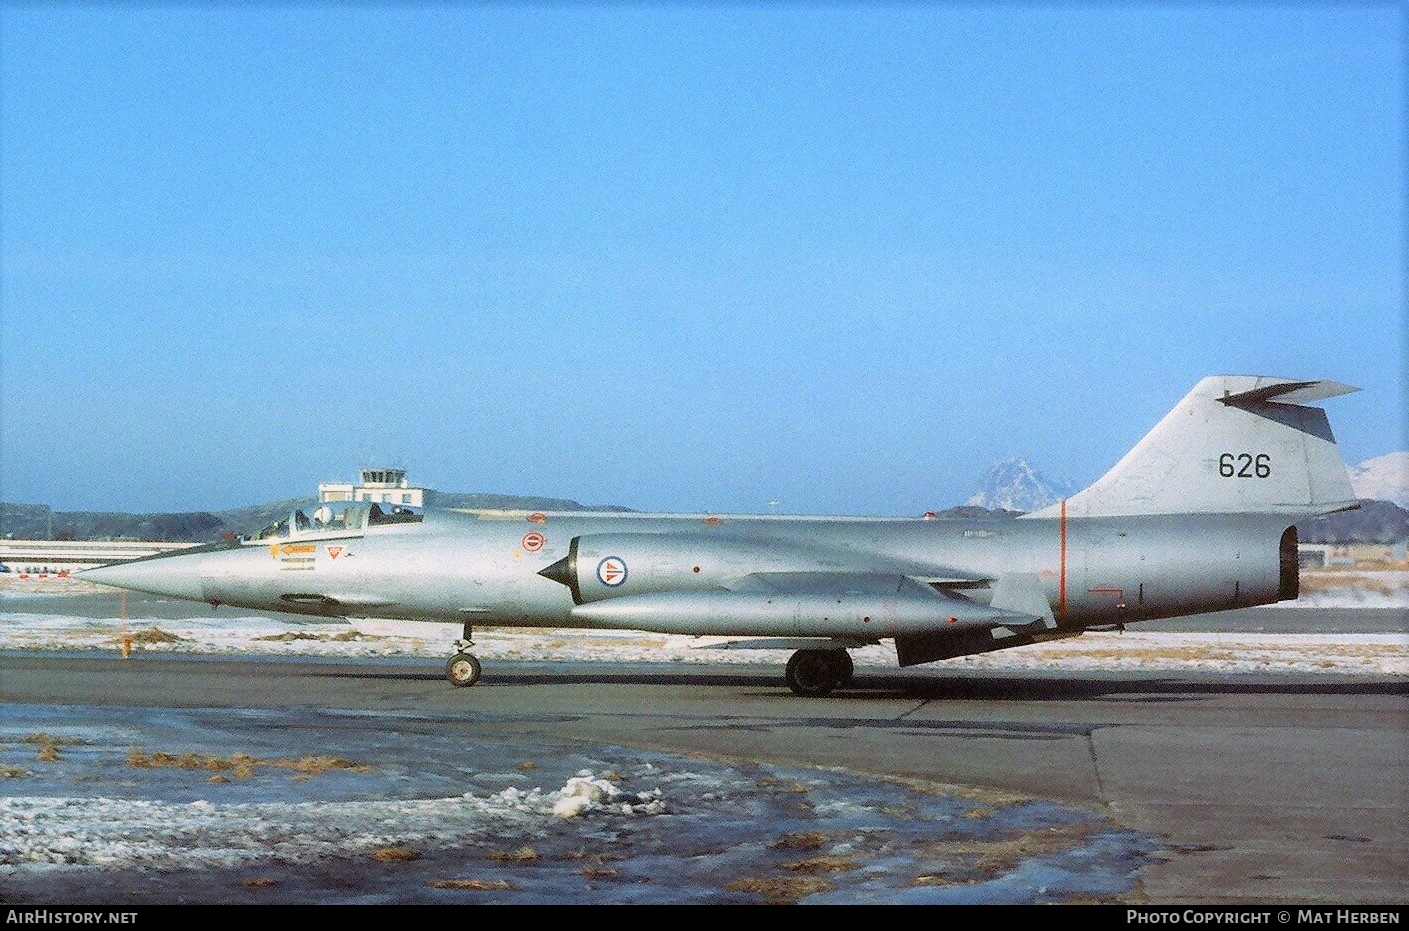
x=485 y=568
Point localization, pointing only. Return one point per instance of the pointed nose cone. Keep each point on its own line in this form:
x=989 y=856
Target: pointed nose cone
x=176 y=576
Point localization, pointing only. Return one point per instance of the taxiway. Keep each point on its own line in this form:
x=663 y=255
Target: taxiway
x=1260 y=788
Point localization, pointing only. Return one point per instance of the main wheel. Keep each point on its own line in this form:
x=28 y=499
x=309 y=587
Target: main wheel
x=812 y=673
x=842 y=666
x=462 y=670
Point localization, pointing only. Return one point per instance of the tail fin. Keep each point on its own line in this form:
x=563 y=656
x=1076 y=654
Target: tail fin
x=1236 y=444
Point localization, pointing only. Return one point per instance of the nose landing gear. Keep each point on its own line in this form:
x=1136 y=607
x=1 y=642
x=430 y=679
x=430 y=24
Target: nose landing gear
x=463 y=669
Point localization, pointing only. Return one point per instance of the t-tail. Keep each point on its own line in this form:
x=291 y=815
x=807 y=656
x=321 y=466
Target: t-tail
x=1236 y=444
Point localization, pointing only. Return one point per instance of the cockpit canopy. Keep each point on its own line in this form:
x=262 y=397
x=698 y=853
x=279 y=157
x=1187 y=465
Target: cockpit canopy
x=337 y=518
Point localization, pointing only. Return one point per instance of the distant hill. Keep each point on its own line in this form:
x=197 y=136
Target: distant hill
x=483 y=501
x=975 y=511
x=40 y=522
x=1373 y=522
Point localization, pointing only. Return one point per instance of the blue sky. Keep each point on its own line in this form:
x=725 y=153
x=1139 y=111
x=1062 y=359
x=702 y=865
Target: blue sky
x=678 y=257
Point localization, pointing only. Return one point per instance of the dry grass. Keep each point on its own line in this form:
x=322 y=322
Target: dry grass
x=476 y=884
x=528 y=766
x=12 y=772
x=999 y=856
x=823 y=865
x=291 y=636
x=1336 y=580
x=599 y=872
x=48 y=751
x=261 y=882
x=799 y=842
x=395 y=854
x=152 y=635
x=521 y=855
x=240 y=765
x=1204 y=652
x=780 y=890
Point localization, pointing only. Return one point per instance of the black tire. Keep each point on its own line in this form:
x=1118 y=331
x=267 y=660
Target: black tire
x=842 y=664
x=811 y=673
x=463 y=670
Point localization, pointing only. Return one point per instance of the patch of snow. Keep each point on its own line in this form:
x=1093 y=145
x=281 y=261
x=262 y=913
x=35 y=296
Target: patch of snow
x=1233 y=651
x=36 y=832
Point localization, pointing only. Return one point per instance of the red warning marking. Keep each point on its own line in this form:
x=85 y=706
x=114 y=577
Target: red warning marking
x=334 y=552
x=711 y=520
x=953 y=619
x=537 y=517
x=533 y=541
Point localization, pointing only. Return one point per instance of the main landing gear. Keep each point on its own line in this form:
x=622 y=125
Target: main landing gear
x=463 y=669
x=815 y=673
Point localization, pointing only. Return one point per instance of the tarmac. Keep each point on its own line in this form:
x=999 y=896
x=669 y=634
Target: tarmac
x=1256 y=789
x=1189 y=787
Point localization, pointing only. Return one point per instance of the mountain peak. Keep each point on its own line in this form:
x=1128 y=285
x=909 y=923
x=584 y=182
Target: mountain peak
x=1384 y=478
x=1014 y=485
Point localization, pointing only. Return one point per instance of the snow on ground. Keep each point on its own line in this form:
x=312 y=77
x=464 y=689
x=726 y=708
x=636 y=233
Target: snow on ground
x=1367 y=653
x=151 y=806
x=231 y=631
x=202 y=834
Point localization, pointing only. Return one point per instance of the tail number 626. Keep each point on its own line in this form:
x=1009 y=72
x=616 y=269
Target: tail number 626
x=1244 y=465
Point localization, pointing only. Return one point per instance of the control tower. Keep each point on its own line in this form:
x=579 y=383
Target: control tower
x=384 y=485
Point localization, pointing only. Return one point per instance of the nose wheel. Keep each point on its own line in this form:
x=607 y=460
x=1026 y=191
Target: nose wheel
x=463 y=669
x=814 y=673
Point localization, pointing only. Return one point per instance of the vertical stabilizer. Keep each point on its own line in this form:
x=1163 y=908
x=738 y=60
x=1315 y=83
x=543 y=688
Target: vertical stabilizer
x=1236 y=444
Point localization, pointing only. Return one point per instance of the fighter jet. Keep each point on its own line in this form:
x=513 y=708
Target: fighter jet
x=1198 y=517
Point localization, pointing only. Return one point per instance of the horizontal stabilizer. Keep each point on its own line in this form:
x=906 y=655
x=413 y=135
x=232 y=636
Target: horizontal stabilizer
x=1290 y=392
